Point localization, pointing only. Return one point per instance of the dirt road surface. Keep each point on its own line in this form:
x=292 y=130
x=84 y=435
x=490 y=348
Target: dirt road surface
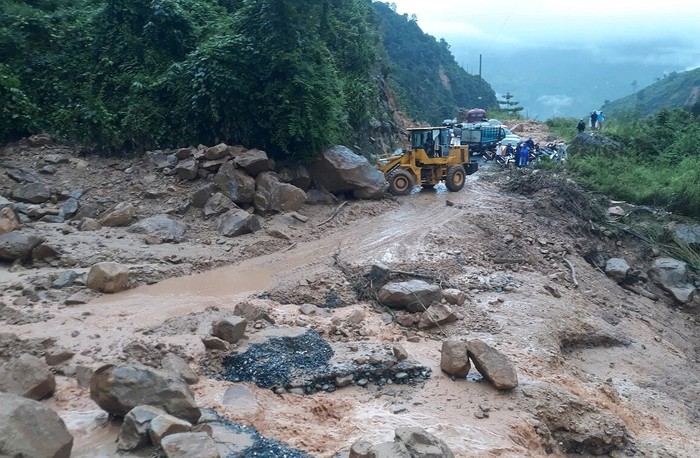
x=616 y=353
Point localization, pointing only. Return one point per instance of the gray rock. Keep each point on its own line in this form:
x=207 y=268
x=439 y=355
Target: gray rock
x=120 y=215
x=274 y=196
x=420 y=443
x=389 y=450
x=186 y=169
x=437 y=314
x=235 y=184
x=81 y=297
x=216 y=152
x=118 y=389
x=89 y=224
x=69 y=208
x=30 y=429
x=173 y=363
x=617 y=269
x=672 y=275
x=454 y=360
x=231 y=329
x=493 y=365
x=360 y=449
x=254 y=161
x=201 y=195
x=190 y=445
x=17 y=245
x=108 y=277
x=252 y=312
x=133 y=433
x=299 y=176
x=33 y=193
x=64 y=279
x=165 y=425
x=27 y=376
x=218 y=204
x=454 y=296
x=237 y=222
x=413 y=296
x=339 y=170
x=161 y=227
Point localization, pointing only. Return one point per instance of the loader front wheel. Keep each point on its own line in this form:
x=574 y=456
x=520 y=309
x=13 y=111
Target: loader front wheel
x=400 y=183
x=455 y=178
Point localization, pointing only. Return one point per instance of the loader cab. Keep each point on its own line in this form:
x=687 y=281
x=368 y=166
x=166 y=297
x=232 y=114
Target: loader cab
x=434 y=140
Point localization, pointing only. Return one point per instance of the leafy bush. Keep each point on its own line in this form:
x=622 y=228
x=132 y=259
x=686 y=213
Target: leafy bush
x=659 y=166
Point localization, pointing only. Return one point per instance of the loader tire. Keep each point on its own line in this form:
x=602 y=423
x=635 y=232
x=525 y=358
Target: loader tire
x=400 y=183
x=455 y=178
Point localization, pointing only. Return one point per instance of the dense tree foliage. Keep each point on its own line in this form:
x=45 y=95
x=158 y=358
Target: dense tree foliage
x=429 y=83
x=289 y=76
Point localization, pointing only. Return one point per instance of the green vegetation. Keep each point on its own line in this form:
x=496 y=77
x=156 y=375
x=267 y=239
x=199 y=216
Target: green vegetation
x=428 y=83
x=675 y=90
x=659 y=165
x=289 y=76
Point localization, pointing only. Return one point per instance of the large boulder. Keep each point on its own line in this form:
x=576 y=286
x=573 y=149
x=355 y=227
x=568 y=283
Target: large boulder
x=108 y=277
x=672 y=275
x=587 y=144
x=186 y=169
x=33 y=193
x=414 y=295
x=237 y=222
x=421 y=443
x=229 y=329
x=27 y=376
x=254 y=161
x=298 y=175
x=30 y=429
x=454 y=360
x=17 y=245
x=118 y=389
x=617 y=269
x=493 y=365
x=339 y=170
x=235 y=183
x=272 y=195
x=161 y=227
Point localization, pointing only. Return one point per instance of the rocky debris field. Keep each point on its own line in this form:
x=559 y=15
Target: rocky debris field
x=209 y=299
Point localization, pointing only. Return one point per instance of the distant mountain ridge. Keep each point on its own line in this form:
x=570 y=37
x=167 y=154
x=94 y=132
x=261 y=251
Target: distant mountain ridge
x=677 y=90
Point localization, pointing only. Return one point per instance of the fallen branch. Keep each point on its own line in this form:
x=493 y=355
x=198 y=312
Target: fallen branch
x=290 y=247
x=334 y=213
x=573 y=271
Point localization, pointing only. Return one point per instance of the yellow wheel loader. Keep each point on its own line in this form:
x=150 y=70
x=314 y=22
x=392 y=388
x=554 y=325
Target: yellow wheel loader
x=430 y=160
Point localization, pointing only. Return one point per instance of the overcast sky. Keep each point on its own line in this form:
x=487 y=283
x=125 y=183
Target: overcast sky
x=667 y=28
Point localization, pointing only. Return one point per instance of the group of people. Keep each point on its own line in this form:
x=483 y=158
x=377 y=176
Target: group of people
x=521 y=152
x=596 y=121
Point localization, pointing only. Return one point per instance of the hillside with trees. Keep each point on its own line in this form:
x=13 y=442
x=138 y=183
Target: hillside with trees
x=428 y=82
x=675 y=90
x=289 y=77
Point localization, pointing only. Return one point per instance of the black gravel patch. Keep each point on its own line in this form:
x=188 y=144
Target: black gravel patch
x=262 y=447
x=333 y=301
x=304 y=362
x=281 y=361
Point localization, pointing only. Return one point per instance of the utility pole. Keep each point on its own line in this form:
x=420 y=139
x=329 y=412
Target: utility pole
x=479 y=65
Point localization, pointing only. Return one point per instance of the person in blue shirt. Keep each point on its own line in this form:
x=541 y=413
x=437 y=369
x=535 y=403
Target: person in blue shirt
x=601 y=118
x=523 y=154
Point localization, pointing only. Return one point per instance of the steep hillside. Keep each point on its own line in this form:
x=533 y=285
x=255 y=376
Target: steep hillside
x=429 y=83
x=291 y=78
x=677 y=90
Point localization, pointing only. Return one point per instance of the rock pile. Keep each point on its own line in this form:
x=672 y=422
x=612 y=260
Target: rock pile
x=408 y=443
x=493 y=365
